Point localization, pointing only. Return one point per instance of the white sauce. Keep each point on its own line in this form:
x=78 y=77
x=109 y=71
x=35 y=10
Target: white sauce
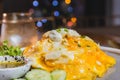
x=55 y=36
x=58 y=49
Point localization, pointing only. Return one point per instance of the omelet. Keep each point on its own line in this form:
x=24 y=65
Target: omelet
x=66 y=49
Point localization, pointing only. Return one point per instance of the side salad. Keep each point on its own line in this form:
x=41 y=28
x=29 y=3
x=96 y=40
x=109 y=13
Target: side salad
x=5 y=49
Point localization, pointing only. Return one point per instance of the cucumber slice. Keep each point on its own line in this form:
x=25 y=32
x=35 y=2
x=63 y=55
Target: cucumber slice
x=58 y=75
x=38 y=74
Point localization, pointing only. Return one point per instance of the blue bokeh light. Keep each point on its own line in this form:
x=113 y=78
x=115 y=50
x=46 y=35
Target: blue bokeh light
x=39 y=24
x=44 y=20
x=56 y=13
x=70 y=9
x=35 y=3
x=55 y=2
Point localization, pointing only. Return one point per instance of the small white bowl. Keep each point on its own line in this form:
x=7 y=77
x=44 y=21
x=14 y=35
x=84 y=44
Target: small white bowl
x=15 y=72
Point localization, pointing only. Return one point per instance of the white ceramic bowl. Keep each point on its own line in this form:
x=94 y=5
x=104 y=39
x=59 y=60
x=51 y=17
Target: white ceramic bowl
x=15 y=72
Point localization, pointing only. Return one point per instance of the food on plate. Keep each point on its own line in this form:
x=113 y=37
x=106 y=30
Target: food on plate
x=65 y=49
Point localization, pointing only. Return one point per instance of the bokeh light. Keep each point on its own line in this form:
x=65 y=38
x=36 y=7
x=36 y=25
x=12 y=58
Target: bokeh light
x=56 y=13
x=74 y=19
x=35 y=3
x=70 y=9
x=55 y=3
x=67 y=1
x=70 y=23
x=44 y=20
x=39 y=24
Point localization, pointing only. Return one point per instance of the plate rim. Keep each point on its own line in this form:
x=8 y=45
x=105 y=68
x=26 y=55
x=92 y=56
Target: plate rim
x=110 y=49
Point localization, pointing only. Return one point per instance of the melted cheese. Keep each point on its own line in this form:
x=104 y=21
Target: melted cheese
x=79 y=56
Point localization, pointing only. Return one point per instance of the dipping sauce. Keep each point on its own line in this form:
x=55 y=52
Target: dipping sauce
x=10 y=64
x=11 y=61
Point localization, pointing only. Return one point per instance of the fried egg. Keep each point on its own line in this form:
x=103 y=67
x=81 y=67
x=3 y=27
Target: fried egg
x=66 y=49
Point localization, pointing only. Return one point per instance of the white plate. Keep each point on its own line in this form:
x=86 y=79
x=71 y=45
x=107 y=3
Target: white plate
x=114 y=72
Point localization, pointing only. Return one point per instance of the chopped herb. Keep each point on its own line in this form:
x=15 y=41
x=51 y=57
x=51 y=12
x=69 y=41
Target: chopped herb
x=64 y=41
x=88 y=45
x=75 y=41
x=9 y=50
x=65 y=29
x=66 y=36
x=83 y=36
x=58 y=30
x=49 y=41
x=59 y=48
x=79 y=45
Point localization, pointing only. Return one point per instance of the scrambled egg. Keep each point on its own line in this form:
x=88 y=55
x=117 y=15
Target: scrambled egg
x=66 y=49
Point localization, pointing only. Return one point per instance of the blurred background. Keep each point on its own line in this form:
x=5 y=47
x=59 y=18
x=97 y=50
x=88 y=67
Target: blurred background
x=80 y=13
x=98 y=17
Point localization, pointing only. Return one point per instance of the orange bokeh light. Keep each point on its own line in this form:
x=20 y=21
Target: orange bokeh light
x=67 y=1
x=73 y=19
x=70 y=24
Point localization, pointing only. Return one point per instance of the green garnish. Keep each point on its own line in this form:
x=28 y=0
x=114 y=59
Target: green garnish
x=65 y=29
x=83 y=36
x=79 y=45
x=75 y=41
x=59 y=48
x=9 y=50
x=88 y=45
x=59 y=30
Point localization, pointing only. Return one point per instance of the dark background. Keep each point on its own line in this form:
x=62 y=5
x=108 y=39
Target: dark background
x=91 y=7
x=90 y=13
